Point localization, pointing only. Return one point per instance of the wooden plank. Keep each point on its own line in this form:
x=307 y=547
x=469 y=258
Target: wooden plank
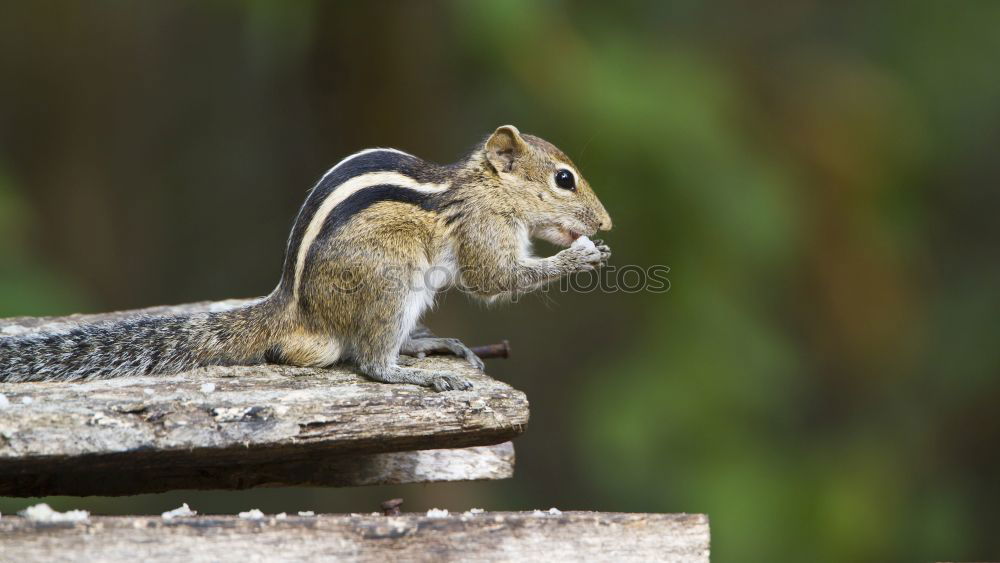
x=239 y=427
x=477 y=463
x=489 y=536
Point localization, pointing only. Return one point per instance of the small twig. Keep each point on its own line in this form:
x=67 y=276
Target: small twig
x=486 y=352
x=489 y=351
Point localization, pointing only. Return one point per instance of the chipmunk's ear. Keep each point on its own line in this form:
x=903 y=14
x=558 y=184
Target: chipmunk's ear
x=504 y=147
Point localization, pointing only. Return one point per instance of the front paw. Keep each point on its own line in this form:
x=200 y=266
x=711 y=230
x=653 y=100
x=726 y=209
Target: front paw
x=605 y=251
x=584 y=255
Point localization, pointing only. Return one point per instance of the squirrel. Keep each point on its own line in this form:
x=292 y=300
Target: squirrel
x=378 y=236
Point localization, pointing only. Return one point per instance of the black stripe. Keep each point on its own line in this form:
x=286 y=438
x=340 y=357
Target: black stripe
x=377 y=161
x=368 y=196
x=356 y=203
x=365 y=198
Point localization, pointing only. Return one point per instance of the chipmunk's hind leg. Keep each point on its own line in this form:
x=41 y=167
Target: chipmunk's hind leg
x=422 y=341
x=377 y=354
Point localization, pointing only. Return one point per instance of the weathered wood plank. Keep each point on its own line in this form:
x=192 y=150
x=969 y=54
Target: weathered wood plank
x=477 y=463
x=500 y=536
x=240 y=427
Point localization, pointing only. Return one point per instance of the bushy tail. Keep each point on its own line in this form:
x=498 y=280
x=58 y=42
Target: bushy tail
x=137 y=346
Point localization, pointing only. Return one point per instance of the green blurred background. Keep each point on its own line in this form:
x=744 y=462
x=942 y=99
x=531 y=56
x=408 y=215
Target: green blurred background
x=821 y=178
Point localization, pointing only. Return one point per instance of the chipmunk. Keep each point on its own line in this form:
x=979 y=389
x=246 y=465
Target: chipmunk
x=378 y=236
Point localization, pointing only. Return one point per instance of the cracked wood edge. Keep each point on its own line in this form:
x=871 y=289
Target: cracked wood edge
x=489 y=536
x=237 y=427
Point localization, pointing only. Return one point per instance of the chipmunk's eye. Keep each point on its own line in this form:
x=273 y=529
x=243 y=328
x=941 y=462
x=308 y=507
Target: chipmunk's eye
x=565 y=180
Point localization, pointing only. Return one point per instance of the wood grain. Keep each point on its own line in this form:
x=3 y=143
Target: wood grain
x=499 y=536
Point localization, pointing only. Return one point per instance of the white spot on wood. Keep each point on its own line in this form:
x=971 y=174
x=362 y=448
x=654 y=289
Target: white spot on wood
x=252 y=514
x=44 y=513
x=230 y=414
x=101 y=419
x=183 y=510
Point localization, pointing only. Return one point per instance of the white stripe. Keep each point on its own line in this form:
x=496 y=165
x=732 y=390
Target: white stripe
x=355 y=155
x=339 y=194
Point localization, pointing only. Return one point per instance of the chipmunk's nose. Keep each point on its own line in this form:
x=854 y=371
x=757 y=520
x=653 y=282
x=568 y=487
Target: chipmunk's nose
x=605 y=224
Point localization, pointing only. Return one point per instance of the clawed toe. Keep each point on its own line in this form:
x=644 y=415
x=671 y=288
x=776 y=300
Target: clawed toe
x=605 y=251
x=448 y=382
x=476 y=362
x=456 y=347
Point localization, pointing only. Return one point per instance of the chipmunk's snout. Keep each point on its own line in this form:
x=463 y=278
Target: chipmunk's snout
x=604 y=220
